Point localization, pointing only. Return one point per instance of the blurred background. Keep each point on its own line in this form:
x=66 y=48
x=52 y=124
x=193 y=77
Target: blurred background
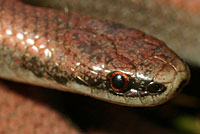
x=176 y=22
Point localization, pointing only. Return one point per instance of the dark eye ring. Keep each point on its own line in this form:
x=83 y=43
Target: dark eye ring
x=119 y=81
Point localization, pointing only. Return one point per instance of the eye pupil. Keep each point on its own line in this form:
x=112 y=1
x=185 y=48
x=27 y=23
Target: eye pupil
x=118 y=81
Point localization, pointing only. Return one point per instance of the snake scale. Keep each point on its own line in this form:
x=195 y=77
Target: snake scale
x=72 y=52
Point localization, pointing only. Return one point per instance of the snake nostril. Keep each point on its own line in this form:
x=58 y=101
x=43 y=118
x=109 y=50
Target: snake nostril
x=154 y=87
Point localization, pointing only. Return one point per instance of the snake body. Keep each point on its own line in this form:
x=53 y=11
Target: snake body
x=72 y=52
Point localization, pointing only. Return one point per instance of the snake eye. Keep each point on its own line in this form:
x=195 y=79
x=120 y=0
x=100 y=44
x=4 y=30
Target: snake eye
x=119 y=81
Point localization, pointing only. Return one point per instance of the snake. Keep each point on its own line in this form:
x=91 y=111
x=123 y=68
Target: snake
x=67 y=51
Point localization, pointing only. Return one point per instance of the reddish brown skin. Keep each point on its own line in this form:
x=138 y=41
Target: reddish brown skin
x=20 y=114
x=72 y=38
x=116 y=46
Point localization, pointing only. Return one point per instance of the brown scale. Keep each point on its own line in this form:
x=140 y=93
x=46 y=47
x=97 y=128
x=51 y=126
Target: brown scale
x=66 y=46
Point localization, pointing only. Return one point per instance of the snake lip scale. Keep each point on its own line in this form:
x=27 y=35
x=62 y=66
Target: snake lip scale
x=72 y=52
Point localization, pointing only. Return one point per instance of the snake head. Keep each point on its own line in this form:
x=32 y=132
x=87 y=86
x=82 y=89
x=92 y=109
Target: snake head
x=146 y=72
x=134 y=69
x=90 y=56
x=110 y=62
